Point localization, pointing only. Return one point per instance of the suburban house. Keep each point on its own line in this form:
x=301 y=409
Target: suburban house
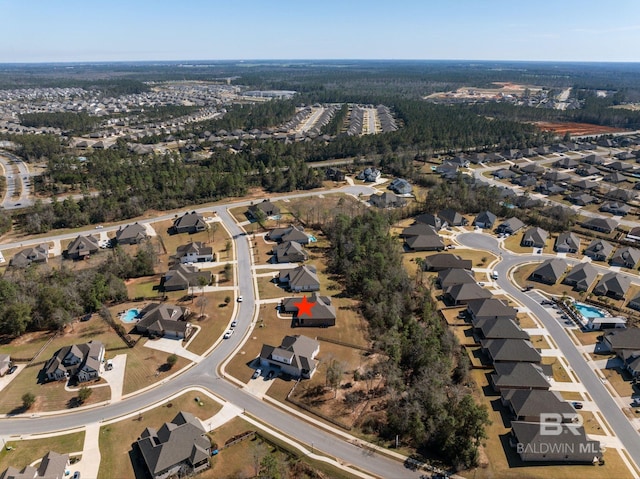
x=533 y=169
x=511 y=154
x=387 y=200
x=264 y=209
x=464 y=292
x=5 y=364
x=194 y=252
x=400 y=186
x=302 y=278
x=422 y=237
x=535 y=237
x=289 y=252
x=626 y=257
x=585 y=185
x=592 y=159
x=556 y=176
x=178 y=447
x=570 y=445
x=370 y=175
x=510 y=226
x=430 y=220
x=615 y=208
x=440 y=261
x=550 y=271
x=35 y=254
x=567 y=242
x=131 y=234
x=621 y=194
x=447 y=170
x=566 y=162
x=615 y=177
x=52 y=466
x=485 y=220
x=459 y=161
x=323 y=313
x=587 y=170
x=492 y=328
x=599 y=250
x=529 y=404
x=520 y=375
x=452 y=217
x=82 y=247
x=634 y=234
x=504 y=173
x=79 y=361
x=490 y=308
x=603 y=225
x=189 y=223
x=334 y=174
x=580 y=198
x=295 y=356
x=625 y=343
x=163 y=320
x=613 y=285
x=510 y=350
x=581 y=276
x=634 y=302
x=450 y=277
x=183 y=276
x=289 y=233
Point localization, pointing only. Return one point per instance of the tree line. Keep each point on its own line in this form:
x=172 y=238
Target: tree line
x=424 y=369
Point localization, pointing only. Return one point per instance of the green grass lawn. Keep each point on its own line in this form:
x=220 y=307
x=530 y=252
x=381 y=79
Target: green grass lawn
x=27 y=345
x=116 y=439
x=216 y=320
x=145 y=366
x=27 y=451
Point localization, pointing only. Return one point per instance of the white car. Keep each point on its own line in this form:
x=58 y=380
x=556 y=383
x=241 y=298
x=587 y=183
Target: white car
x=240 y=298
x=228 y=334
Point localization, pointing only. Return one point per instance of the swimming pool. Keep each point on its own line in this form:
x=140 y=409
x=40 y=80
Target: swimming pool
x=130 y=316
x=589 y=311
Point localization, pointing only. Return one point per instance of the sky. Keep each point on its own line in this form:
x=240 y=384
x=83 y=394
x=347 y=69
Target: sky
x=148 y=30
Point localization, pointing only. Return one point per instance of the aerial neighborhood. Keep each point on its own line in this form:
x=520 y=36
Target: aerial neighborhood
x=224 y=272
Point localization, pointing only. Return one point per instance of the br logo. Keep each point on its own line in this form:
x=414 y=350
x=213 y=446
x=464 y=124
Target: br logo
x=553 y=424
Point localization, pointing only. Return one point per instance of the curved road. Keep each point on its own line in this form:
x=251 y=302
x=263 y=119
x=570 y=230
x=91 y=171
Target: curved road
x=608 y=407
x=205 y=374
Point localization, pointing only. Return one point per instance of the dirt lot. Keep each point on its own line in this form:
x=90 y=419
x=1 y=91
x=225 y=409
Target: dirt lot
x=576 y=128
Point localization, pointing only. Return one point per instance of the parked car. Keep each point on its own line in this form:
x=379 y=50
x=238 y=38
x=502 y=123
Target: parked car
x=228 y=334
x=270 y=374
x=494 y=275
x=234 y=323
x=240 y=298
x=12 y=369
x=76 y=475
x=577 y=405
x=256 y=373
x=636 y=402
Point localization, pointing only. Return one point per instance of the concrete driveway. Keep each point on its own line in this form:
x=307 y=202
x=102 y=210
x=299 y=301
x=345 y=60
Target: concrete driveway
x=7 y=378
x=115 y=377
x=172 y=346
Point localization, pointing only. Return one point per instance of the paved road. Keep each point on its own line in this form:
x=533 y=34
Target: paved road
x=205 y=374
x=12 y=163
x=616 y=419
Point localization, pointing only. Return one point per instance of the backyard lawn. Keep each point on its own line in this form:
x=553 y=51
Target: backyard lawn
x=25 y=452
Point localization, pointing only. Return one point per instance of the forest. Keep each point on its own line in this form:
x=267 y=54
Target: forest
x=42 y=298
x=424 y=368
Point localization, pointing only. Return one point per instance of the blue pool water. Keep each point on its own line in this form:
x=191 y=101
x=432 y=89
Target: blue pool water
x=589 y=311
x=312 y=239
x=130 y=315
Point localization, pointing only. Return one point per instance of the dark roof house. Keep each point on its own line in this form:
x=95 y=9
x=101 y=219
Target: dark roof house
x=613 y=285
x=626 y=257
x=163 y=320
x=510 y=350
x=387 y=200
x=581 y=276
x=452 y=217
x=485 y=220
x=520 y=375
x=264 y=209
x=599 y=250
x=179 y=445
x=131 y=234
x=302 y=278
x=604 y=225
x=52 y=466
x=550 y=271
x=510 y=226
x=440 y=261
x=535 y=237
x=400 y=186
x=82 y=247
x=35 y=254
x=323 y=313
x=567 y=242
x=79 y=361
x=194 y=252
x=289 y=252
x=189 y=223
x=183 y=276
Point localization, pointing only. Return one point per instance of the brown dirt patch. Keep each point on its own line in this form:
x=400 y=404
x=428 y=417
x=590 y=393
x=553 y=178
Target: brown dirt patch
x=576 y=128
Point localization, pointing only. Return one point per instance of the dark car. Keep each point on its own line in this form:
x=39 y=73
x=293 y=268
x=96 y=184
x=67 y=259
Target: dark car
x=271 y=374
x=577 y=404
x=12 y=369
